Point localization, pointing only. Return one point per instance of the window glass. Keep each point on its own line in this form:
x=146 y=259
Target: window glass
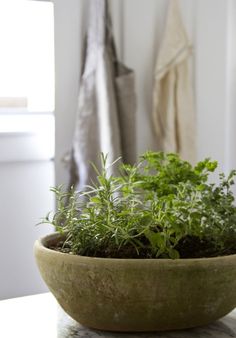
x=27 y=56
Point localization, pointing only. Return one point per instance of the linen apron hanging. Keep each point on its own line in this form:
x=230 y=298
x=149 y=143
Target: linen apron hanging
x=106 y=104
x=173 y=112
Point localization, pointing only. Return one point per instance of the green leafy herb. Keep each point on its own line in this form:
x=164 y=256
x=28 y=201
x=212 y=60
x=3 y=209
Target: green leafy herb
x=160 y=207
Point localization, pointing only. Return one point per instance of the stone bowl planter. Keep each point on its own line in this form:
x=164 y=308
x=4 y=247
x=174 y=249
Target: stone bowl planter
x=138 y=294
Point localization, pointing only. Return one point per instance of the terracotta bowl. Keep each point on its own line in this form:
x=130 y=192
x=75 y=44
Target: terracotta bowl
x=138 y=294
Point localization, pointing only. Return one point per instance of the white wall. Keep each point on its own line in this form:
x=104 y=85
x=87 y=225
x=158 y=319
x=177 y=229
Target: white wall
x=231 y=70
x=139 y=26
x=212 y=78
x=68 y=44
x=24 y=200
x=26 y=173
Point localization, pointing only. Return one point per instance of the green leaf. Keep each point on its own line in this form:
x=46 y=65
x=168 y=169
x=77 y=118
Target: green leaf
x=174 y=254
x=95 y=200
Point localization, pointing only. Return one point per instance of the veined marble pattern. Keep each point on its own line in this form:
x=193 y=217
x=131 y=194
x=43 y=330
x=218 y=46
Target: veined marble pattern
x=223 y=328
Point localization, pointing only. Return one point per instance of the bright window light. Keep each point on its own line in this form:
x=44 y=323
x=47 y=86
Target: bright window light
x=27 y=56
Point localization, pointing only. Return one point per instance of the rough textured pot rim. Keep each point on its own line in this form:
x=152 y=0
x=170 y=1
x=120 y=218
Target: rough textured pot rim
x=41 y=243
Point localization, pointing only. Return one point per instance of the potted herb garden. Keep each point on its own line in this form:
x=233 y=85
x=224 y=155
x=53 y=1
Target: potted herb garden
x=152 y=249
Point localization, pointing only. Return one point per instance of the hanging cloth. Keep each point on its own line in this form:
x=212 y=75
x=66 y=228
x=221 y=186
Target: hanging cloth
x=173 y=113
x=106 y=104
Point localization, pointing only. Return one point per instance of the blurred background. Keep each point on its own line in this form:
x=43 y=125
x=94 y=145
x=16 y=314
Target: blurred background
x=40 y=66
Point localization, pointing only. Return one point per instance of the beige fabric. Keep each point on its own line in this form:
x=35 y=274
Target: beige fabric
x=173 y=112
x=106 y=105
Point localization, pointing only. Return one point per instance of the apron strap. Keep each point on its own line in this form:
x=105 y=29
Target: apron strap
x=100 y=32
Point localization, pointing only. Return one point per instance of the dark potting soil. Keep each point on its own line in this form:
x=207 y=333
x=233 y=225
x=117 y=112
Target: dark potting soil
x=188 y=247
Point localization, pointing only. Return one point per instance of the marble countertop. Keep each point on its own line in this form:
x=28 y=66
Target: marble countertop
x=40 y=316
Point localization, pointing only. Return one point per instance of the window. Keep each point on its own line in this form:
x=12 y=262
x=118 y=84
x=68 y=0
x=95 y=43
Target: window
x=27 y=56
x=26 y=80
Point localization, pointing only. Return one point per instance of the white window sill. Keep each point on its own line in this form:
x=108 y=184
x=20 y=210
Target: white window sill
x=27 y=137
